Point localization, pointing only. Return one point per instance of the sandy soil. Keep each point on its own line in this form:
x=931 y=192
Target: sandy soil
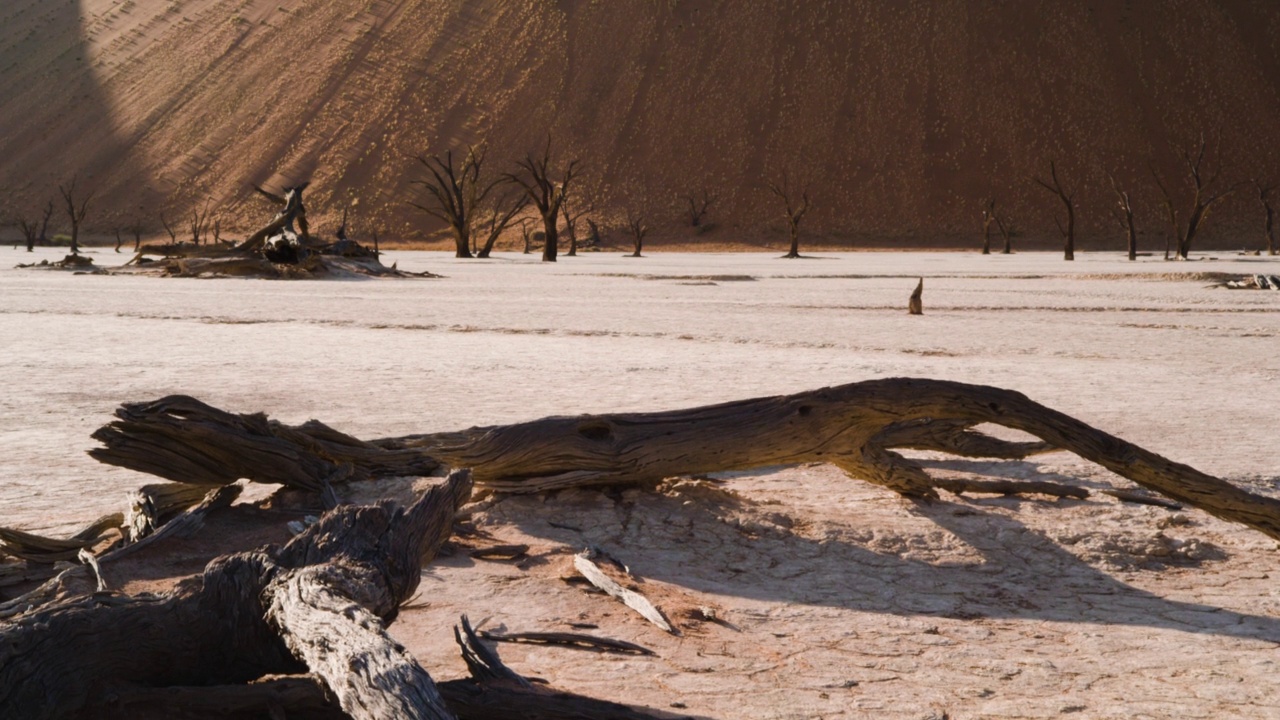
x=839 y=599
x=906 y=117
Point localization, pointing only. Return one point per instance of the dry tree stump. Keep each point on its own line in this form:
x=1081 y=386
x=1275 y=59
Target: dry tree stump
x=915 y=304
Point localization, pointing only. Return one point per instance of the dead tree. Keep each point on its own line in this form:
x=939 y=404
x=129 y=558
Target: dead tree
x=795 y=208
x=1068 y=229
x=454 y=194
x=526 y=234
x=915 y=304
x=199 y=223
x=698 y=207
x=855 y=427
x=75 y=211
x=1205 y=193
x=30 y=231
x=502 y=210
x=1264 y=199
x=293 y=212
x=1007 y=229
x=119 y=240
x=988 y=217
x=43 y=238
x=320 y=604
x=135 y=228
x=546 y=193
x=173 y=236
x=636 y=224
x=1124 y=216
x=574 y=207
x=594 y=238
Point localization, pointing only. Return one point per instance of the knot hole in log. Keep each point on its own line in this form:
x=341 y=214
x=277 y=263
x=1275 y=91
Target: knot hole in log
x=595 y=431
x=804 y=410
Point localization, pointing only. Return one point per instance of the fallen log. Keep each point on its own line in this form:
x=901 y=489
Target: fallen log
x=319 y=604
x=855 y=427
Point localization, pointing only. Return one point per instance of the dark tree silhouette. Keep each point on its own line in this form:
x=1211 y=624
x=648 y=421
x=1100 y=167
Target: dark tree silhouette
x=76 y=211
x=795 y=208
x=988 y=217
x=1068 y=229
x=574 y=207
x=636 y=224
x=1124 y=216
x=698 y=206
x=546 y=193
x=500 y=211
x=1264 y=199
x=455 y=194
x=1206 y=191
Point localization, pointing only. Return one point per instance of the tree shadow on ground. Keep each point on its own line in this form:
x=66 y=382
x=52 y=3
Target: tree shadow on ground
x=716 y=541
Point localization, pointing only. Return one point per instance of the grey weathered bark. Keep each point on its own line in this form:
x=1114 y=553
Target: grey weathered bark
x=854 y=427
x=1068 y=229
x=319 y=604
x=292 y=211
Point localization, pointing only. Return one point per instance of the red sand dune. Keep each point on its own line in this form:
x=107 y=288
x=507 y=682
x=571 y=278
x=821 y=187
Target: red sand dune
x=904 y=116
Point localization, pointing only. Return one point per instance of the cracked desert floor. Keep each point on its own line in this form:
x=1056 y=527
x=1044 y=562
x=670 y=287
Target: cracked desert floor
x=837 y=599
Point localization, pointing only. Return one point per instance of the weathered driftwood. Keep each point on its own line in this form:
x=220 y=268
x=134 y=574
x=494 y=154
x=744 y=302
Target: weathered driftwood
x=493 y=692
x=960 y=486
x=854 y=427
x=318 y=604
x=185 y=440
x=579 y=641
x=583 y=564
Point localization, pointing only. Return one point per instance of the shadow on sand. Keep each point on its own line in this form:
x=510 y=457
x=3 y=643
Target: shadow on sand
x=718 y=542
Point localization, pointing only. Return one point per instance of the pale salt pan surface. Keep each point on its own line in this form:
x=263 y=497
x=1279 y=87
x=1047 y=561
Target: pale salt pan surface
x=996 y=608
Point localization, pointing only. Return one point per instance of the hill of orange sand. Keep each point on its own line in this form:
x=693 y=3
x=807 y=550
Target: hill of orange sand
x=903 y=116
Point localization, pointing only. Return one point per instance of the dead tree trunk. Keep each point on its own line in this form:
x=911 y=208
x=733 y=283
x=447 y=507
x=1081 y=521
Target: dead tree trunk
x=795 y=209
x=988 y=217
x=455 y=194
x=320 y=604
x=1264 y=199
x=698 y=207
x=854 y=427
x=1068 y=229
x=75 y=211
x=173 y=236
x=1124 y=216
x=292 y=211
x=638 y=231
x=915 y=304
x=546 y=194
x=43 y=239
x=1005 y=225
x=29 y=232
x=501 y=213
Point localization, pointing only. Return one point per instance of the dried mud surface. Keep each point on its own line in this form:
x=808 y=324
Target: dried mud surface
x=831 y=598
